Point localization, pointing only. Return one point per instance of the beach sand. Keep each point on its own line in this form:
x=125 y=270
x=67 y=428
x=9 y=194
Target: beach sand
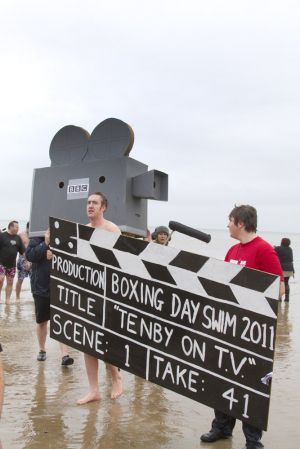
x=40 y=411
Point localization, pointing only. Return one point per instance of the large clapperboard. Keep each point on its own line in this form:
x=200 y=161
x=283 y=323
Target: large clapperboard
x=193 y=324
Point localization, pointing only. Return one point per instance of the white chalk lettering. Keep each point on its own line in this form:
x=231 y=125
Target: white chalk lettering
x=67 y=323
x=219 y=321
x=138 y=291
x=184 y=308
x=127 y=320
x=236 y=368
x=229 y=394
x=91 y=276
x=259 y=334
x=177 y=375
x=221 y=351
x=73 y=298
x=56 y=320
x=78 y=333
x=192 y=348
x=155 y=331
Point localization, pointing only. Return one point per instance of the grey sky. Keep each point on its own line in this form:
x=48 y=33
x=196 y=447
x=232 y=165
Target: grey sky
x=210 y=88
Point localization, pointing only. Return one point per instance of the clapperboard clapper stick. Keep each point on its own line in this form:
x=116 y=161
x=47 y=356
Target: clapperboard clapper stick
x=187 y=230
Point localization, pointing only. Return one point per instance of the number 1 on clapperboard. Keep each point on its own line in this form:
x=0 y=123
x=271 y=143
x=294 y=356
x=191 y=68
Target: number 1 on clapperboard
x=127 y=356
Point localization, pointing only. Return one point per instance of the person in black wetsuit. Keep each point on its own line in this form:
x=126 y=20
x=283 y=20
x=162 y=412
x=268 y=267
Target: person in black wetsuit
x=285 y=255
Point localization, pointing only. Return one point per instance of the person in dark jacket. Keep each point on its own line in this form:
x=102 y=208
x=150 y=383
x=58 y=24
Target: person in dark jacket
x=285 y=255
x=40 y=255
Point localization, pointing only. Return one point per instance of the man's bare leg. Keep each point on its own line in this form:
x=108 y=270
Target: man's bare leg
x=18 y=288
x=1 y=387
x=117 y=381
x=1 y=284
x=91 y=365
x=8 y=290
x=64 y=349
x=41 y=332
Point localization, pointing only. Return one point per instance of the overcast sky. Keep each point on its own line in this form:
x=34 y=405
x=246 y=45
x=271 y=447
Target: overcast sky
x=211 y=89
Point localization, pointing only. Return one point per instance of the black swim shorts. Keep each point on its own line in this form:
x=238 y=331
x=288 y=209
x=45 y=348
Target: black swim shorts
x=42 y=308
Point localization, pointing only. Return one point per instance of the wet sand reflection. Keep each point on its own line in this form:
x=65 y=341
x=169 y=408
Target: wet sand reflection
x=40 y=408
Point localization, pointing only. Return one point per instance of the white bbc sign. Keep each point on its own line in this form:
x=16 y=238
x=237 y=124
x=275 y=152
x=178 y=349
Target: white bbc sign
x=78 y=188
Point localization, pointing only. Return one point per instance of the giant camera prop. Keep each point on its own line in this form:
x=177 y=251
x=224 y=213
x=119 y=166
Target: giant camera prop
x=82 y=164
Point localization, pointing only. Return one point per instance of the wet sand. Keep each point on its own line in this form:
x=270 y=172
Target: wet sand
x=40 y=411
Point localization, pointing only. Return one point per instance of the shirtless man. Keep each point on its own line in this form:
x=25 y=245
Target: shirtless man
x=96 y=206
x=23 y=265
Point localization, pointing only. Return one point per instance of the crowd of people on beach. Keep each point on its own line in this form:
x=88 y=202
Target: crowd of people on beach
x=31 y=257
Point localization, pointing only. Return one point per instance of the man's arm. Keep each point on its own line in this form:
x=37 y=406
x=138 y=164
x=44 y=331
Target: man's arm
x=36 y=251
x=21 y=246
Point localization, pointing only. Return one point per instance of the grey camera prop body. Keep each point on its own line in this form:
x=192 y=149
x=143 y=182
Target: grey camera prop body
x=82 y=164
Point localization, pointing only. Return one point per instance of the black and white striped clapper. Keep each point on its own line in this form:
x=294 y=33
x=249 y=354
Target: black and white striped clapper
x=196 y=325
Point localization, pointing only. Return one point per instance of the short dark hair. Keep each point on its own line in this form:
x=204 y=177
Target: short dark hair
x=103 y=198
x=12 y=223
x=245 y=214
x=285 y=241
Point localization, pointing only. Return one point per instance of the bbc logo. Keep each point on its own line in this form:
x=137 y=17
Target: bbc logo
x=78 y=188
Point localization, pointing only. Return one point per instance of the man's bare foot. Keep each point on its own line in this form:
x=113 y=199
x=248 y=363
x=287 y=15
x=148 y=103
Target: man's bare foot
x=117 y=387
x=88 y=398
x=7 y=301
